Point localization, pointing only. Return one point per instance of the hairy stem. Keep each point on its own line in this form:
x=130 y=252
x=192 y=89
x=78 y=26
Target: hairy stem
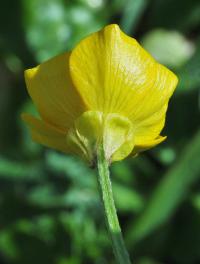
x=114 y=229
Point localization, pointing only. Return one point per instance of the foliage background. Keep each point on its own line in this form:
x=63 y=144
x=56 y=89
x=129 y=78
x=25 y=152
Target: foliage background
x=49 y=205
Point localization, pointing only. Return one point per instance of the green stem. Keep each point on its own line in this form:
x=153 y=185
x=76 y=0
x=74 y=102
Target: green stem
x=114 y=229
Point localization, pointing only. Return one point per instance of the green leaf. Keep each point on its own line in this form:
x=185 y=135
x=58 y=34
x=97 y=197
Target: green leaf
x=170 y=192
x=127 y=199
x=133 y=10
x=195 y=199
x=74 y=168
x=8 y=245
x=30 y=148
x=189 y=74
x=47 y=196
x=122 y=171
x=53 y=27
x=19 y=171
x=180 y=14
x=169 y=47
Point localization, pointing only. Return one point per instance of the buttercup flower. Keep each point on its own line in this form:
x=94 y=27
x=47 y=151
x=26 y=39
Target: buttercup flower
x=108 y=91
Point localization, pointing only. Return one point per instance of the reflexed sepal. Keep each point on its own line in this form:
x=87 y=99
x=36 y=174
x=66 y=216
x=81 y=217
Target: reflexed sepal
x=93 y=127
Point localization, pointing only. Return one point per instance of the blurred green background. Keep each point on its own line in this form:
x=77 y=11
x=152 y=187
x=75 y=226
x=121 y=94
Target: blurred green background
x=49 y=206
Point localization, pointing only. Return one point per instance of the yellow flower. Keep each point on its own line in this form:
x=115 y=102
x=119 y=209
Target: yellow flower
x=108 y=91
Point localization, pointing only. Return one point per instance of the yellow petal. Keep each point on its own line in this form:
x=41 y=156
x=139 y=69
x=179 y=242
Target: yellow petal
x=46 y=134
x=156 y=97
x=51 y=89
x=114 y=74
x=150 y=127
x=146 y=144
x=108 y=91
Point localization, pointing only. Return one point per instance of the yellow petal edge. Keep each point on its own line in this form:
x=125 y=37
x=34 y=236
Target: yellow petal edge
x=107 y=90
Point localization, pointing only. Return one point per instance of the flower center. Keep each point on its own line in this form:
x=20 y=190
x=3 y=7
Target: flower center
x=93 y=128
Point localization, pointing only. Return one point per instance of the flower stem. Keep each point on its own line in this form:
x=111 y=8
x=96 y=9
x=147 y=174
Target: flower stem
x=114 y=229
